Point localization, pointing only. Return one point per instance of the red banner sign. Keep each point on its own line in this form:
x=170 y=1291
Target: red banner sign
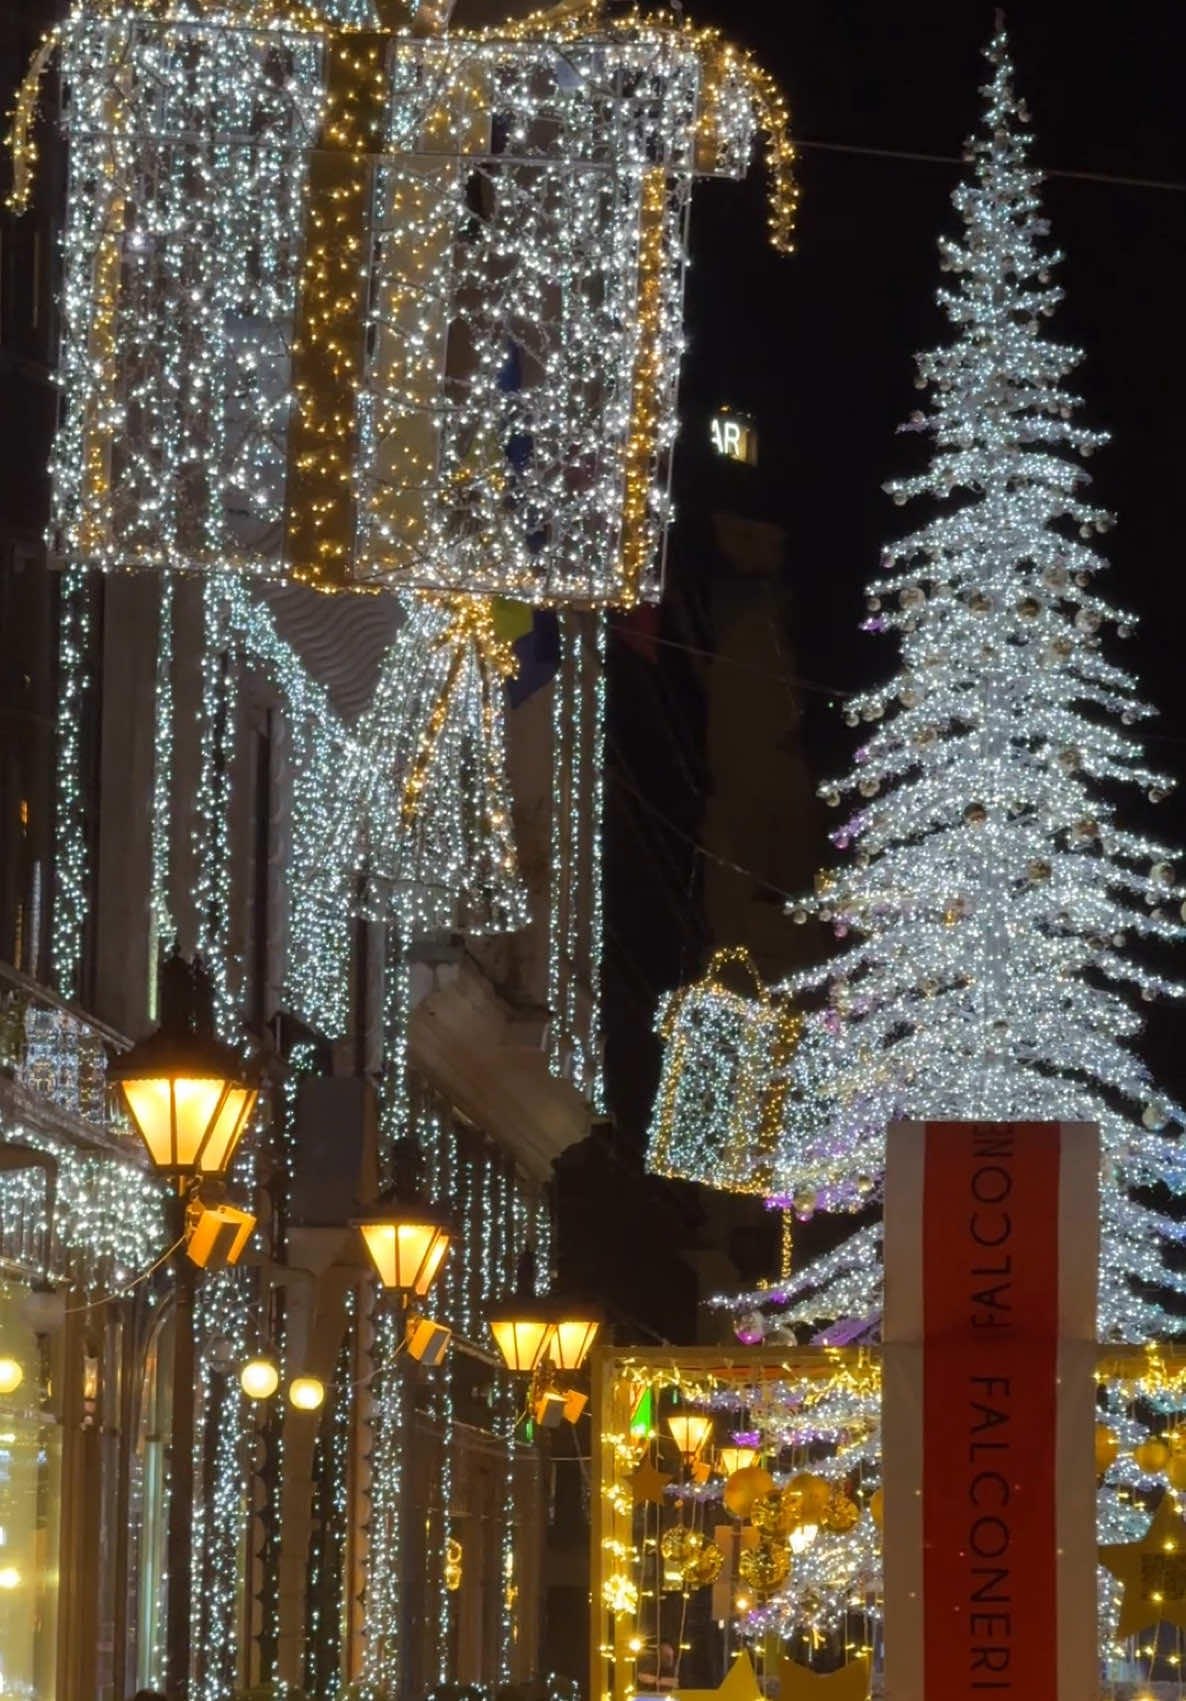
x=990 y=1316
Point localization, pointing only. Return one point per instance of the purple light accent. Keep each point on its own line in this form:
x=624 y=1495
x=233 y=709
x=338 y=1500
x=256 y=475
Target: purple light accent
x=748 y=1337
x=747 y=1437
x=843 y=1334
x=778 y=1202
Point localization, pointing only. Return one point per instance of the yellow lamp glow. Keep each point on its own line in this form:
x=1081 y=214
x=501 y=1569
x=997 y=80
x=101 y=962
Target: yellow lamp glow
x=10 y=1577
x=574 y=1333
x=306 y=1393
x=690 y=1431
x=802 y=1536
x=260 y=1377
x=190 y=1125
x=521 y=1338
x=12 y=1374
x=406 y=1245
x=730 y=1459
x=218 y=1235
x=186 y=1092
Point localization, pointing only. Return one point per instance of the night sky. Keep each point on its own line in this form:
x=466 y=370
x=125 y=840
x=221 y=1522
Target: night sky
x=818 y=346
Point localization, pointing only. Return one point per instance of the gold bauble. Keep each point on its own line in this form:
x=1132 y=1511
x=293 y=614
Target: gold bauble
x=1176 y=1471
x=1106 y=1448
x=705 y=1568
x=681 y=1545
x=764 y=1567
x=745 y=1486
x=877 y=1507
x=769 y=1515
x=1152 y=1456
x=806 y=1499
x=841 y=1514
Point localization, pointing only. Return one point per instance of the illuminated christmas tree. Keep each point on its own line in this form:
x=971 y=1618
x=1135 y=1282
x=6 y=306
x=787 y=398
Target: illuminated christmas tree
x=993 y=898
x=1000 y=927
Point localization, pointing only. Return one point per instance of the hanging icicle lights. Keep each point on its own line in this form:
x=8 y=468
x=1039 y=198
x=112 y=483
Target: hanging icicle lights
x=492 y=407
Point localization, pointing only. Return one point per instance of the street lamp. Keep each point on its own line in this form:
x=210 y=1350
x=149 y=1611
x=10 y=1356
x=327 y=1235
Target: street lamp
x=186 y=1091
x=543 y=1337
x=190 y=1099
x=405 y=1236
x=689 y=1431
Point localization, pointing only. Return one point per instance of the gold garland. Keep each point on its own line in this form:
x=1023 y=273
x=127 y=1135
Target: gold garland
x=19 y=140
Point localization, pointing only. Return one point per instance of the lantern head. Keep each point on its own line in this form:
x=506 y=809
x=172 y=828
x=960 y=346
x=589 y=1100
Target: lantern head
x=405 y=1236
x=187 y=1093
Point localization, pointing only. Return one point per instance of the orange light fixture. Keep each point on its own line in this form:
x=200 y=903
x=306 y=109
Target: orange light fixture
x=573 y=1333
x=406 y=1249
x=522 y=1333
x=405 y=1236
x=690 y=1431
x=187 y=1093
x=730 y=1459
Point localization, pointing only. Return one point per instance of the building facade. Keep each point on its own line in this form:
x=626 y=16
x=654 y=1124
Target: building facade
x=176 y=764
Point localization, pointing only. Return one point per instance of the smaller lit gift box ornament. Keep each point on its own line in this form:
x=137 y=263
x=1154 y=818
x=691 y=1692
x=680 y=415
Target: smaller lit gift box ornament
x=372 y=309
x=727 y=1056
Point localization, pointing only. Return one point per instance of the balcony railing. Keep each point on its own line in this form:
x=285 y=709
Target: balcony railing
x=52 y=1052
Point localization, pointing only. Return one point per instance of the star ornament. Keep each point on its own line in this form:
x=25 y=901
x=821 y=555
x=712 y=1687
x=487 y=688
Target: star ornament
x=1152 y=1572
x=647 y=1483
x=800 y=1683
x=741 y=1684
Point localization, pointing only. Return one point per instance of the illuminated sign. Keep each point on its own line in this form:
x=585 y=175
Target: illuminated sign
x=734 y=436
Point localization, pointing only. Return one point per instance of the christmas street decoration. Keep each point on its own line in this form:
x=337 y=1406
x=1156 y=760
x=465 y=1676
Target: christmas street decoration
x=1151 y=1572
x=649 y=1483
x=1003 y=917
x=719 y=1107
x=427 y=822
x=380 y=309
x=1001 y=928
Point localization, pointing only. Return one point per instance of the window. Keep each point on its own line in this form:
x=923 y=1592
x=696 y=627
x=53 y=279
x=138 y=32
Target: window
x=30 y=1510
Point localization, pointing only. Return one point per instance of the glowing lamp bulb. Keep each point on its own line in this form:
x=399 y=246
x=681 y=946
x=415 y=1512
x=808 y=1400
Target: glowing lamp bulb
x=260 y=1377
x=11 y=1374
x=10 y=1577
x=306 y=1393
